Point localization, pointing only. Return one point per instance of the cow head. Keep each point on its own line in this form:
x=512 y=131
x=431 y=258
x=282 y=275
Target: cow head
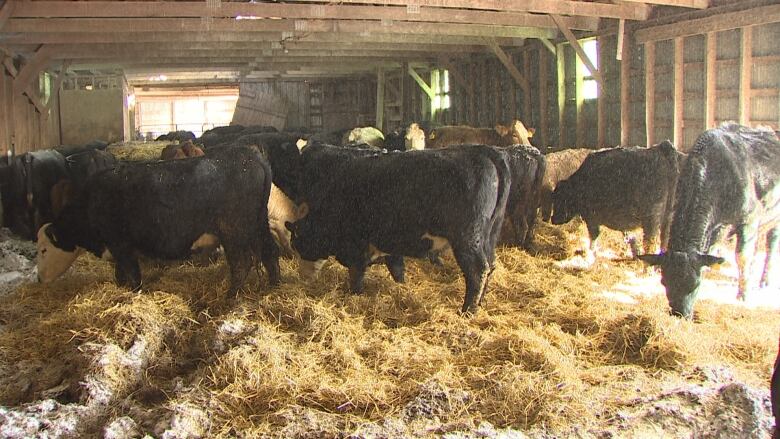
x=415 y=137
x=55 y=254
x=681 y=275
x=564 y=203
x=521 y=134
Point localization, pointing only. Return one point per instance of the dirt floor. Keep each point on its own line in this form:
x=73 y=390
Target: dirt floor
x=558 y=350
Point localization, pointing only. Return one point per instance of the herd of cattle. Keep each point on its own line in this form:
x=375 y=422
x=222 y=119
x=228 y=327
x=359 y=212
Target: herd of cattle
x=373 y=198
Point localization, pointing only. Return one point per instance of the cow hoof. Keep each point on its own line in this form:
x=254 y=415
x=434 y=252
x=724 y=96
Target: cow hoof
x=469 y=311
x=741 y=297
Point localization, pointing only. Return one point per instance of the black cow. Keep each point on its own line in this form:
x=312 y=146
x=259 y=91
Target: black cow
x=69 y=150
x=731 y=180
x=80 y=167
x=410 y=204
x=160 y=209
x=26 y=190
x=622 y=188
x=179 y=136
x=527 y=167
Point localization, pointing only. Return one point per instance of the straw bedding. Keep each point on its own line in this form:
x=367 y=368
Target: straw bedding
x=547 y=351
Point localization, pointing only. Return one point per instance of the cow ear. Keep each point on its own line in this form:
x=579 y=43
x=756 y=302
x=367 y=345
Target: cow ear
x=652 y=259
x=302 y=210
x=531 y=132
x=708 y=260
x=290 y=226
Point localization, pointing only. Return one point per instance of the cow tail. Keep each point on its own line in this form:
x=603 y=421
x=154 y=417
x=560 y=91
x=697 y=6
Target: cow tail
x=500 y=159
x=541 y=169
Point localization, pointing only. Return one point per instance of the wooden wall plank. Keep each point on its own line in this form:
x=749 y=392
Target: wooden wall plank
x=625 y=91
x=601 y=102
x=561 y=78
x=650 y=92
x=710 y=86
x=679 y=96
x=745 y=75
x=542 y=130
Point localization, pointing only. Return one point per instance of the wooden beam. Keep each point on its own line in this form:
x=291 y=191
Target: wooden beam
x=711 y=80
x=104 y=25
x=380 y=99
x=650 y=92
x=567 y=7
x=715 y=23
x=561 y=66
x=579 y=101
x=549 y=45
x=272 y=37
x=541 y=133
x=8 y=62
x=620 y=37
x=456 y=76
x=32 y=69
x=192 y=9
x=129 y=53
x=423 y=85
x=7 y=11
x=679 y=95
x=625 y=93
x=578 y=49
x=55 y=88
x=697 y=4
x=745 y=75
x=601 y=102
x=521 y=80
x=526 y=110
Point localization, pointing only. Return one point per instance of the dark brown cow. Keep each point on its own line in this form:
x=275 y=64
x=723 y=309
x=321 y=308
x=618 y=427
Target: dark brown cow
x=514 y=134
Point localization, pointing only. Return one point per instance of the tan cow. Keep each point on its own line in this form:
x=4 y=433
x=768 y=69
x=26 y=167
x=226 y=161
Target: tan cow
x=560 y=166
x=500 y=135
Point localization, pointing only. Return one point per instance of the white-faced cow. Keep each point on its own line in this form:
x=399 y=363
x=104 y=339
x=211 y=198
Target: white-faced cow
x=731 y=180
x=160 y=209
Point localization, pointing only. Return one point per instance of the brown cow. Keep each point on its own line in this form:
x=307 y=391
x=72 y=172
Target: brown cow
x=176 y=151
x=514 y=134
x=560 y=166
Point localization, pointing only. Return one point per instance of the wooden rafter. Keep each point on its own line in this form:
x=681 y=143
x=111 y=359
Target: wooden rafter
x=578 y=49
x=548 y=44
x=697 y=4
x=194 y=37
x=141 y=9
x=421 y=82
x=505 y=59
x=130 y=52
x=107 y=25
x=55 y=88
x=628 y=11
x=31 y=69
x=714 y=23
x=6 y=11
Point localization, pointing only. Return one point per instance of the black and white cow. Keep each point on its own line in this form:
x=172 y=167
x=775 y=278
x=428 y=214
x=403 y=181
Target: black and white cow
x=774 y=392
x=410 y=204
x=622 y=188
x=731 y=180
x=160 y=209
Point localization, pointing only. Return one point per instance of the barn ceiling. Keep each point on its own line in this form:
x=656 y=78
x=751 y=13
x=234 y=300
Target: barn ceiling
x=217 y=41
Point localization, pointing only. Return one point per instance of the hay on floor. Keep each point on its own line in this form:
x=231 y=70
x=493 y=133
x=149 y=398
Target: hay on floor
x=547 y=350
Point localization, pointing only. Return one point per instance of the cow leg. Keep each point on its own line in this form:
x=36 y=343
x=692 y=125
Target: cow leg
x=126 y=269
x=530 y=221
x=269 y=255
x=356 y=275
x=593 y=233
x=651 y=237
x=395 y=265
x=546 y=205
x=475 y=267
x=772 y=249
x=746 y=249
x=239 y=259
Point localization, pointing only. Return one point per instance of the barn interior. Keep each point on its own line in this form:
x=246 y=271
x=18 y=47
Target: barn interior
x=558 y=350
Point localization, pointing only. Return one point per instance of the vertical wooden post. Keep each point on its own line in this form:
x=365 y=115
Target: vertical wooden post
x=601 y=99
x=650 y=92
x=579 y=101
x=402 y=94
x=527 y=107
x=561 y=65
x=498 y=110
x=710 y=91
x=745 y=76
x=473 y=117
x=541 y=132
x=380 y=98
x=679 y=89
x=484 y=74
x=625 y=92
